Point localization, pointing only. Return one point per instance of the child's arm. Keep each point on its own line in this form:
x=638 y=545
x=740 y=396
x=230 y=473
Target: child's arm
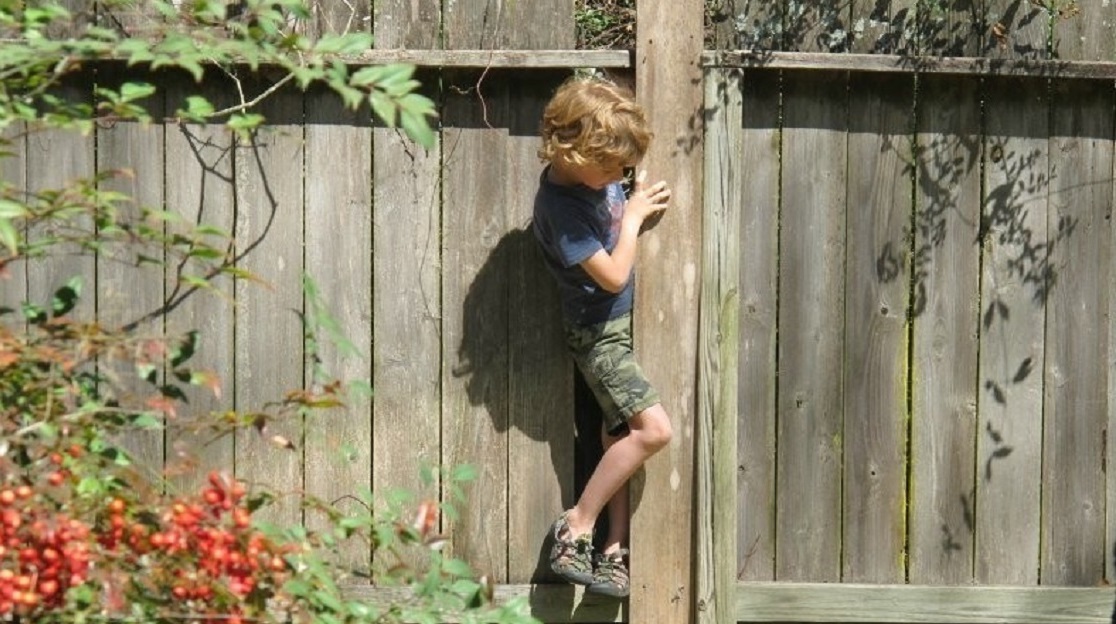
x=611 y=271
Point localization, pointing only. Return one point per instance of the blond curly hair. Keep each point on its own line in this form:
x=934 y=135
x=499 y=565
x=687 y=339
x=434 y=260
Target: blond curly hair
x=593 y=122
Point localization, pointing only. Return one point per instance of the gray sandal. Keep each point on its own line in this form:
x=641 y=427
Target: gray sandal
x=611 y=577
x=571 y=557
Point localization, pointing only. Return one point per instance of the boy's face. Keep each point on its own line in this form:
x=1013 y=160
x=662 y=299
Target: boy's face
x=597 y=177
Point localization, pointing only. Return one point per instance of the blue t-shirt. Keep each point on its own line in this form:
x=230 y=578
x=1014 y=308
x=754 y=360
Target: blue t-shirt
x=571 y=224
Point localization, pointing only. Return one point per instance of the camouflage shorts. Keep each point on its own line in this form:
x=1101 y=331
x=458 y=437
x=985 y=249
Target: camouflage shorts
x=603 y=353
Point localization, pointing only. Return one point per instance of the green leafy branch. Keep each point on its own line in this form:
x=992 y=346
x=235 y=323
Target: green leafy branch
x=194 y=36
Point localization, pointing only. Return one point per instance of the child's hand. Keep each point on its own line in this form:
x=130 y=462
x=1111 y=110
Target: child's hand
x=646 y=202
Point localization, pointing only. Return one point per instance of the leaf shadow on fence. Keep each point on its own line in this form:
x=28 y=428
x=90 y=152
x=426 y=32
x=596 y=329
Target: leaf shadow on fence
x=1012 y=236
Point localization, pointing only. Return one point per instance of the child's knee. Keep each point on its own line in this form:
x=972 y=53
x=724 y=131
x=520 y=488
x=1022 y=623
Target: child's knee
x=655 y=428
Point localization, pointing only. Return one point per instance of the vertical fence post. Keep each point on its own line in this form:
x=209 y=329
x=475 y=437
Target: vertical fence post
x=669 y=86
x=719 y=341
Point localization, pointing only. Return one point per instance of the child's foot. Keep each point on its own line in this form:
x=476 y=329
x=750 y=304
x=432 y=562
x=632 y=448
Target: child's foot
x=571 y=557
x=611 y=577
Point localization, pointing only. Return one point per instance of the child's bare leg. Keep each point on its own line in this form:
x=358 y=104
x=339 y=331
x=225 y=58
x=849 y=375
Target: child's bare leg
x=617 y=507
x=649 y=431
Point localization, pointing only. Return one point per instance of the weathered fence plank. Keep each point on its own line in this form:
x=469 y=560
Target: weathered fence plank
x=201 y=191
x=269 y=245
x=1086 y=32
x=339 y=462
x=1110 y=450
x=540 y=401
x=55 y=159
x=474 y=330
x=759 y=144
x=945 y=269
x=812 y=243
x=1013 y=228
x=1079 y=244
x=665 y=322
x=127 y=289
x=1076 y=398
x=875 y=329
x=407 y=347
x=718 y=364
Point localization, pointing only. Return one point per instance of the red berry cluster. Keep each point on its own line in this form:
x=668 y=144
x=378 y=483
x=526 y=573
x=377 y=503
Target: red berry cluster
x=198 y=553
x=202 y=550
x=42 y=553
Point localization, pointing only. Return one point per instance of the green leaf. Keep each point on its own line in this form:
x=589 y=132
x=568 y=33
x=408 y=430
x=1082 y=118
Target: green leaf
x=137 y=50
x=66 y=297
x=162 y=215
x=147 y=420
x=146 y=371
x=464 y=472
x=211 y=230
x=417 y=128
x=196 y=282
x=131 y=91
x=351 y=43
x=395 y=74
x=384 y=107
x=466 y=588
x=33 y=313
x=296 y=587
x=304 y=76
x=9 y=236
x=206 y=253
x=198 y=108
x=418 y=104
x=97 y=32
x=12 y=210
x=456 y=567
x=367 y=76
x=329 y=600
x=89 y=486
x=244 y=122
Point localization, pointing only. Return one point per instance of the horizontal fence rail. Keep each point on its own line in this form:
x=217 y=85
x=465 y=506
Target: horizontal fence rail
x=892 y=63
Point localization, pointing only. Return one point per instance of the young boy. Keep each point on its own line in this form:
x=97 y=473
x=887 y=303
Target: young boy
x=591 y=131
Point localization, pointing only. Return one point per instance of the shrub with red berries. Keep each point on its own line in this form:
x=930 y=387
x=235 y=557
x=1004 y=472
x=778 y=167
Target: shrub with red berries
x=42 y=553
x=86 y=534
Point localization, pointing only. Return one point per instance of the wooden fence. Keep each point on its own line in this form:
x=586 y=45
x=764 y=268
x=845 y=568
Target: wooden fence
x=903 y=373
x=907 y=321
